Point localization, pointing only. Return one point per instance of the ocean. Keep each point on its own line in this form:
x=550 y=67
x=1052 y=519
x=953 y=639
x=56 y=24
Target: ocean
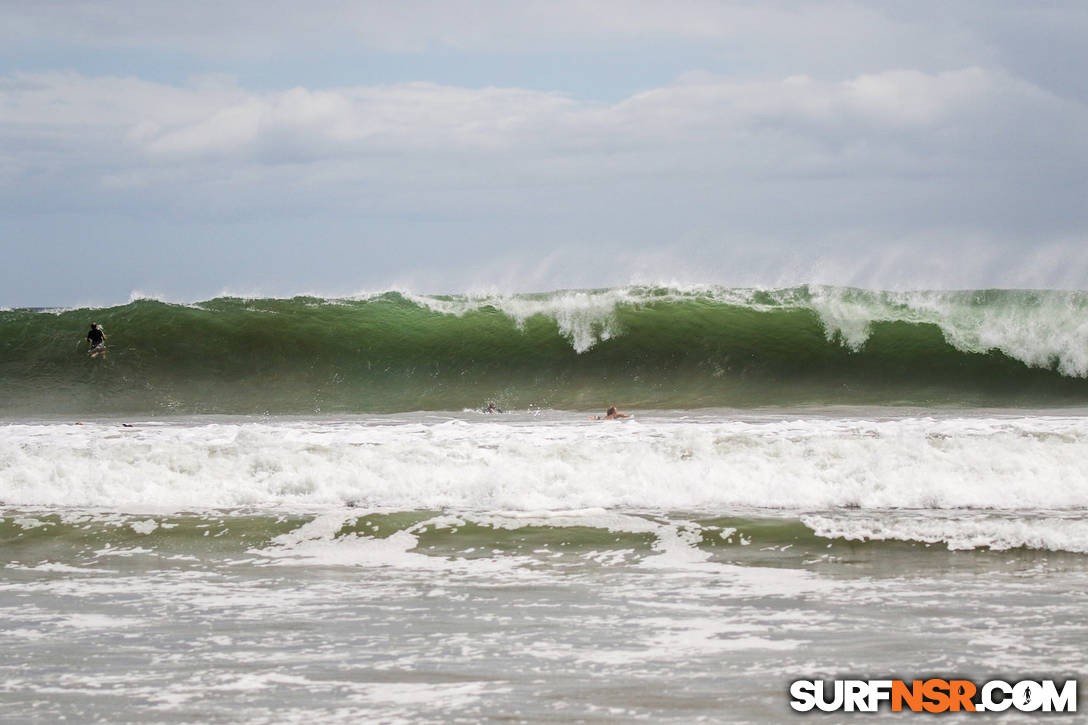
x=296 y=510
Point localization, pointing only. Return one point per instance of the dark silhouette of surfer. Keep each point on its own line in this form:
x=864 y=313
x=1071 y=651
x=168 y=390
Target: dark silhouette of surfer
x=96 y=340
x=492 y=408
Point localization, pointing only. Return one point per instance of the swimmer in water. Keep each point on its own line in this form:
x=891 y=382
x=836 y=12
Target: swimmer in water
x=611 y=414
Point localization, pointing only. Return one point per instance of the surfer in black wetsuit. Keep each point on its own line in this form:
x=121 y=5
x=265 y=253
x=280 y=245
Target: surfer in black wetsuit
x=492 y=408
x=96 y=339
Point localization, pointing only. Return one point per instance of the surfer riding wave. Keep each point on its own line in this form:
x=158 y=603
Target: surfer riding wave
x=96 y=340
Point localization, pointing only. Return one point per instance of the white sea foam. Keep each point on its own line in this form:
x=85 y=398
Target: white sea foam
x=529 y=465
x=999 y=534
x=585 y=317
x=144 y=527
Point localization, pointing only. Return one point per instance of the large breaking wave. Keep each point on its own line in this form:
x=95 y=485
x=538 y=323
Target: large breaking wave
x=650 y=347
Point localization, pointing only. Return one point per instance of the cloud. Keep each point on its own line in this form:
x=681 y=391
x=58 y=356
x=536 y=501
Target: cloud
x=857 y=178
x=419 y=25
x=891 y=123
x=832 y=37
x=825 y=39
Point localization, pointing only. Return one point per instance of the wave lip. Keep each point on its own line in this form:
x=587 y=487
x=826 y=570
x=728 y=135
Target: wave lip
x=1041 y=328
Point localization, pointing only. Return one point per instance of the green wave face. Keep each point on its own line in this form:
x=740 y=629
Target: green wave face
x=80 y=538
x=641 y=347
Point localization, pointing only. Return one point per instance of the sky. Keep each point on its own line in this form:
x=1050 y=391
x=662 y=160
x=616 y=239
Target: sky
x=189 y=150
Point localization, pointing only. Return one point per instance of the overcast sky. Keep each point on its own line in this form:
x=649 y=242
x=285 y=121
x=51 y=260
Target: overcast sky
x=184 y=150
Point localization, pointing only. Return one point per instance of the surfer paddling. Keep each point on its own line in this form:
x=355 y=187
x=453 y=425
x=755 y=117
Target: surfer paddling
x=611 y=414
x=96 y=340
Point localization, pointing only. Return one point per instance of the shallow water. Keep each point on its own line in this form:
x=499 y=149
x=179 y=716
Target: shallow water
x=677 y=567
